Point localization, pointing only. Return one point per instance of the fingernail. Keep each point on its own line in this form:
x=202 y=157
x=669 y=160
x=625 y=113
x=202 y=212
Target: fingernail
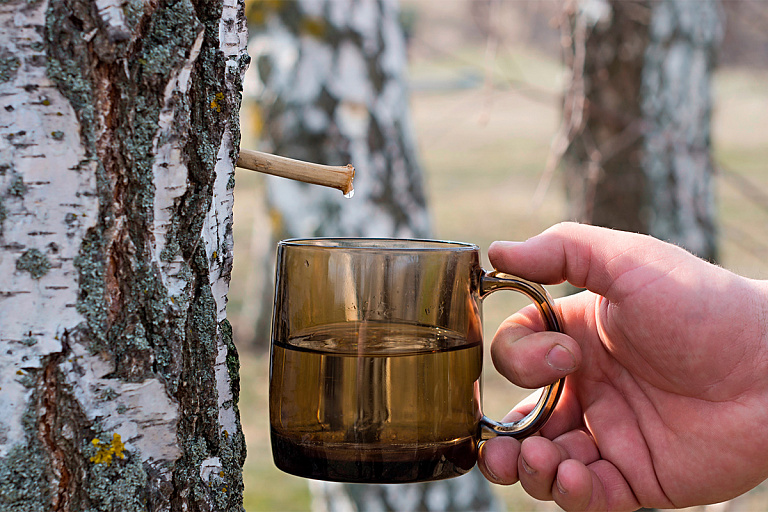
x=528 y=469
x=560 y=487
x=490 y=475
x=560 y=358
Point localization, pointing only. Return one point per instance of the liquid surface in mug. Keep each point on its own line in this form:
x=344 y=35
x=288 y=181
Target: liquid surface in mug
x=375 y=402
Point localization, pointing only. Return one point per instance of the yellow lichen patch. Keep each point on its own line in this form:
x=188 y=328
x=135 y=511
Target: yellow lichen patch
x=105 y=451
x=216 y=101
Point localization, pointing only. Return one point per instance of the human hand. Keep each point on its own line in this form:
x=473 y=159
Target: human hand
x=665 y=402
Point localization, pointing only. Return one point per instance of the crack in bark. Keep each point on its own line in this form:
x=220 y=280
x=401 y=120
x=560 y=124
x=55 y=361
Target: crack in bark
x=47 y=422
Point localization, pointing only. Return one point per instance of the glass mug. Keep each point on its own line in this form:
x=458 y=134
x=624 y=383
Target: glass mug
x=376 y=359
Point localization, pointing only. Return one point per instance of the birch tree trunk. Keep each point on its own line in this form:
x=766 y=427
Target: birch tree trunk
x=637 y=118
x=333 y=91
x=677 y=106
x=330 y=82
x=118 y=135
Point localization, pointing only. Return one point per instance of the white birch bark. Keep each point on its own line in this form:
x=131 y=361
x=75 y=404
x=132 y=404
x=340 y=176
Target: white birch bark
x=104 y=292
x=677 y=107
x=336 y=92
x=48 y=202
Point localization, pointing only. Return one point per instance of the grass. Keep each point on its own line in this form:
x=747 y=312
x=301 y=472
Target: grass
x=483 y=152
x=266 y=487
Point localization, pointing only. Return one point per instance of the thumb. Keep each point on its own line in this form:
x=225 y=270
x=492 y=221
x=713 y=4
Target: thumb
x=586 y=256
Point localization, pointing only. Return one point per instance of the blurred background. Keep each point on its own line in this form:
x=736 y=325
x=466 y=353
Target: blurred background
x=478 y=120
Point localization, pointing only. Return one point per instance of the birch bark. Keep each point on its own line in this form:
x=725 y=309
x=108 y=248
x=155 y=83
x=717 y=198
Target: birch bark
x=637 y=118
x=118 y=136
x=677 y=104
x=333 y=91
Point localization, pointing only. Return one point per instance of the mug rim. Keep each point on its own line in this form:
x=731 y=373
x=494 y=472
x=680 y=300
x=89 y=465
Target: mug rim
x=378 y=243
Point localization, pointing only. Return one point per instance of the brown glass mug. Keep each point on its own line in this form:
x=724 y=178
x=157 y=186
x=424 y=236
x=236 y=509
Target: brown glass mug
x=376 y=359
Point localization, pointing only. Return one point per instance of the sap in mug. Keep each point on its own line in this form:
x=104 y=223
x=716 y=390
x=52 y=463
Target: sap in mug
x=376 y=358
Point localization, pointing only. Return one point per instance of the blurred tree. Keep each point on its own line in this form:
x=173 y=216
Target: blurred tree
x=635 y=137
x=118 y=141
x=329 y=83
x=333 y=90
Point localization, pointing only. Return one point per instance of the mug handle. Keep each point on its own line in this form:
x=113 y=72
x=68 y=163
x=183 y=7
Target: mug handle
x=534 y=420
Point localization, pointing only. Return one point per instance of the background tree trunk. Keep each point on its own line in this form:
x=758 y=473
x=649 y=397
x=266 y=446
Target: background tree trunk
x=637 y=118
x=119 y=131
x=677 y=107
x=333 y=91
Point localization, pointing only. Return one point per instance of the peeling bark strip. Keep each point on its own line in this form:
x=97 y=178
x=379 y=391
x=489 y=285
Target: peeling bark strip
x=118 y=140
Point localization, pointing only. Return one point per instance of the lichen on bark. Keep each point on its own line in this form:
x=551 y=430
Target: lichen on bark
x=8 y=68
x=135 y=328
x=22 y=471
x=34 y=262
